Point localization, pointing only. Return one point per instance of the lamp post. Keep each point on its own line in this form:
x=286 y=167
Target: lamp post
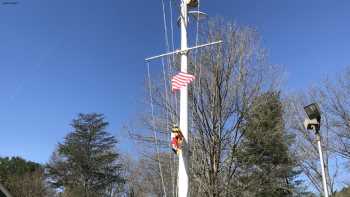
x=313 y=122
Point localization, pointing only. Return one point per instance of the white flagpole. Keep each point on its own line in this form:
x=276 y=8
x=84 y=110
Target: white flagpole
x=183 y=155
x=183 y=180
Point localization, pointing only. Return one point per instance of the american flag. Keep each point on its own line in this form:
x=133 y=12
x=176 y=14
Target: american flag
x=181 y=80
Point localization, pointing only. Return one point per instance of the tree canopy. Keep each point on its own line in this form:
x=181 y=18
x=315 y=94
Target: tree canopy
x=86 y=163
x=265 y=150
x=23 y=178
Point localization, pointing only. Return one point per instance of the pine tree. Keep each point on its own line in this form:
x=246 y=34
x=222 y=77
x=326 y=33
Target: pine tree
x=86 y=163
x=265 y=150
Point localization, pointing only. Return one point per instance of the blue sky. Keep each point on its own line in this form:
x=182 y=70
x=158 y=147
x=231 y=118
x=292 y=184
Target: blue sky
x=59 y=58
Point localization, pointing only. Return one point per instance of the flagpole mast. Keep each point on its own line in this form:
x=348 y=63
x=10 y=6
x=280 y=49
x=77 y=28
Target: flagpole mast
x=183 y=180
x=183 y=155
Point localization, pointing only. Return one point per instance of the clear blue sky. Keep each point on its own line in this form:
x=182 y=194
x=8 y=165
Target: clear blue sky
x=59 y=58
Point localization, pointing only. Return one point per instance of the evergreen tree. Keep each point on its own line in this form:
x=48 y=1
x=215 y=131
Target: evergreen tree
x=86 y=163
x=265 y=150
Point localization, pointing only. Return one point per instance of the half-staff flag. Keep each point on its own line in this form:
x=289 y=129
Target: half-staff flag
x=181 y=80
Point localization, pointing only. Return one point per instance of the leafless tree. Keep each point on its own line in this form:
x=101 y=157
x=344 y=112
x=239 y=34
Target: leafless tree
x=143 y=177
x=29 y=185
x=337 y=105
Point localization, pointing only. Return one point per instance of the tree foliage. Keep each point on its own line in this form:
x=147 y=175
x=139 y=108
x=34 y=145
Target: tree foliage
x=270 y=168
x=23 y=178
x=86 y=163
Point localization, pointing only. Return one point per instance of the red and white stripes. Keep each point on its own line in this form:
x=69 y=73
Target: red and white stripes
x=181 y=80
